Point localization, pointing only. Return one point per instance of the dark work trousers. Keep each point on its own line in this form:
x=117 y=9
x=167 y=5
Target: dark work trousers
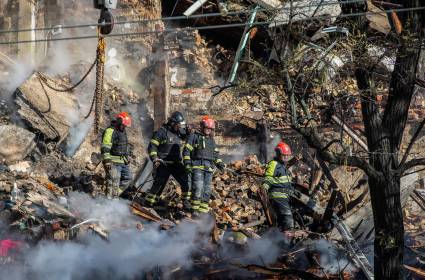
x=201 y=185
x=280 y=200
x=162 y=174
x=118 y=179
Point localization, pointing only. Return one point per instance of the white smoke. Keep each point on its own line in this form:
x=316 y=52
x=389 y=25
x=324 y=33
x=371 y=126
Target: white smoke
x=266 y=250
x=332 y=259
x=126 y=254
x=77 y=134
x=15 y=76
x=110 y=213
x=262 y=251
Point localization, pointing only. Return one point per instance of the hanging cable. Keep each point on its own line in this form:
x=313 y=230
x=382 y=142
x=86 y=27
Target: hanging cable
x=45 y=79
x=209 y=27
x=175 y=18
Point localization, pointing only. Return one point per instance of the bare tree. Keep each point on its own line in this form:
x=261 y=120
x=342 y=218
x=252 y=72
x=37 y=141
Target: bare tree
x=383 y=131
x=383 y=127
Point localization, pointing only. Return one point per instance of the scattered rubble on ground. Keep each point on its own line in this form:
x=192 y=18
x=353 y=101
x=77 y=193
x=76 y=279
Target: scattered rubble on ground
x=37 y=209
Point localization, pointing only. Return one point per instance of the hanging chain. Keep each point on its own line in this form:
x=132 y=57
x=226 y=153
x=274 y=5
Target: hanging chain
x=100 y=69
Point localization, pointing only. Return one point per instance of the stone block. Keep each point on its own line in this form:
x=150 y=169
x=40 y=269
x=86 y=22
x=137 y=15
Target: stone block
x=48 y=111
x=15 y=143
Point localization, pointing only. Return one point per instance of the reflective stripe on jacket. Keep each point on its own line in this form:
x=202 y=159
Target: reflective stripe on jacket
x=166 y=145
x=114 y=146
x=201 y=152
x=276 y=175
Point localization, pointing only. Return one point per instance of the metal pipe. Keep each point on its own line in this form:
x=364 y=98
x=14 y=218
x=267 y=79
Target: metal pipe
x=242 y=45
x=195 y=6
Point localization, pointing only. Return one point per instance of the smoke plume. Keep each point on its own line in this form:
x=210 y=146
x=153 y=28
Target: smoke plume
x=127 y=254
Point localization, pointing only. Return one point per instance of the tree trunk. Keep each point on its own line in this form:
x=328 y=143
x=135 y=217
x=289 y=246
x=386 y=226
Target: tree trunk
x=389 y=229
x=385 y=185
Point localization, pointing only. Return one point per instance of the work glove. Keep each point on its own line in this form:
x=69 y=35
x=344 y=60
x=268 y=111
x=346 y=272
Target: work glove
x=221 y=166
x=188 y=168
x=157 y=162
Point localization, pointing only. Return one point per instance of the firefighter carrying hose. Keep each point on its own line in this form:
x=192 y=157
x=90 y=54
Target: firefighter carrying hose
x=200 y=157
x=165 y=152
x=115 y=155
x=277 y=182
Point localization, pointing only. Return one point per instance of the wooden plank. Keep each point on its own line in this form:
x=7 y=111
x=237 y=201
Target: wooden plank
x=418 y=272
x=160 y=89
x=350 y=132
x=417 y=200
x=329 y=210
x=327 y=173
x=266 y=205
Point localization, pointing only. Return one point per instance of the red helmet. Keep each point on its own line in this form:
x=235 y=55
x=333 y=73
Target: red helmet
x=208 y=122
x=283 y=149
x=125 y=118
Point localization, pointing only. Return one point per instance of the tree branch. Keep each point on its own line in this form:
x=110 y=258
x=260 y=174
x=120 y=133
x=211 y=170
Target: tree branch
x=311 y=135
x=410 y=164
x=412 y=141
x=403 y=78
x=370 y=112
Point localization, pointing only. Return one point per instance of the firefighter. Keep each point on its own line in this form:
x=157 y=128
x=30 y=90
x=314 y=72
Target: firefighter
x=278 y=185
x=115 y=155
x=200 y=156
x=165 y=152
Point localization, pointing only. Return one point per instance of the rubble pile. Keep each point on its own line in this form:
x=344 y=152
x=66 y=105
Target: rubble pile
x=235 y=200
x=41 y=210
x=34 y=207
x=55 y=133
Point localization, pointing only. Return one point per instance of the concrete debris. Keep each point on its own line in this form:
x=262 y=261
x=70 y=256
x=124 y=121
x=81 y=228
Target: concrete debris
x=295 y=11
x=21 y=167
x=13 y=148
x=268 y=4
x=45 y=110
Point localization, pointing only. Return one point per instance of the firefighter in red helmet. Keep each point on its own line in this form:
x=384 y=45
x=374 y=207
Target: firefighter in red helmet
x=200 y=156
x=278 y=184
x=115 y=155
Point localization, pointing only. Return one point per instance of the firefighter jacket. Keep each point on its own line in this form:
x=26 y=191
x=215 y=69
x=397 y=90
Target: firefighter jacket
x=166 y=145
x=201 y=152
x=277 y=179
x=114 y=146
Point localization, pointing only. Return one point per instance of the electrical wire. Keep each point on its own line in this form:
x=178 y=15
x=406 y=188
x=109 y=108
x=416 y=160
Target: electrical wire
x=207 y=27
x=171 y=18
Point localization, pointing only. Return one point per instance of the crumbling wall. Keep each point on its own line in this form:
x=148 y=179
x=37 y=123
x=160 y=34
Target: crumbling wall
x=196 y=72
